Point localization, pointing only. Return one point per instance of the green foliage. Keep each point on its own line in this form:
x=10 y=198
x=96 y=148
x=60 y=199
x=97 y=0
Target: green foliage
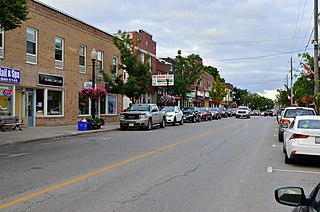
x=254 y=101
x=13 y=13
x=188 y=72
x=218 y=91
x=139 y=73
x=302 y=88
x=214 y=72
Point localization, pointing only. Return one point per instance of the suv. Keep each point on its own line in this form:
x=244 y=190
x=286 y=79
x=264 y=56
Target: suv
x=289 y=114
x=243 y=111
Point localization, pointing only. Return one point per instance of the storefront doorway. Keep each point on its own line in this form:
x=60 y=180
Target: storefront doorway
x=30 y=112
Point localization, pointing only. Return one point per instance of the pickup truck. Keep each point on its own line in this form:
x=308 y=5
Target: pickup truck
x=142 y=116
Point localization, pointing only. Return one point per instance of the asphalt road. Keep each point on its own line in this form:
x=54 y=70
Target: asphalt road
x=220 y=165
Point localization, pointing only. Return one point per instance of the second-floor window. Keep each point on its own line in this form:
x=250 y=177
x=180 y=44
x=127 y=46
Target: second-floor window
x=142 y=57
x=82 y=59
x=100 y=63
x=58 y=53
x=31 y=46
x=115 y=66
x=1 y=43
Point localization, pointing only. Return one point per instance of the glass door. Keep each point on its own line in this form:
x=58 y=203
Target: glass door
x=30 y=108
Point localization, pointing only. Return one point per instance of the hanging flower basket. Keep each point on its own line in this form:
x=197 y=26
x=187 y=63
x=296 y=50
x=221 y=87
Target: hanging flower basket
x=167 y=100
x=93 y=93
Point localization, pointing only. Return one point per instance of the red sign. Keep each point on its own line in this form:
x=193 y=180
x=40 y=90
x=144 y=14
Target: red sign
x=7 y=92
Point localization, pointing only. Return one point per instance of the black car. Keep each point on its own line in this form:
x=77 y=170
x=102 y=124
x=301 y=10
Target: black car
x=215 y=112
x=191 y=114
x=294 y=196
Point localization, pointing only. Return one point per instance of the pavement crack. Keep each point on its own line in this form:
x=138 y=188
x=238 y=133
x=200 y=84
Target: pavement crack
x=137 y=197
x=39 y=202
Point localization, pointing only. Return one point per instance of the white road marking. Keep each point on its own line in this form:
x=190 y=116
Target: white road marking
x=274 y=145
x=17 y=155
x=274 y=135
x=2 y=154
x=270 y=170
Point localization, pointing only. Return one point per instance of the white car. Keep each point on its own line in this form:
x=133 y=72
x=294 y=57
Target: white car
x=243 y=111
x=302 y=138
x=173 y=115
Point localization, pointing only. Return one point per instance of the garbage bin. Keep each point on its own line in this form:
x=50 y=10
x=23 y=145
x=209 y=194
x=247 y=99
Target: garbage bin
x=82 y=126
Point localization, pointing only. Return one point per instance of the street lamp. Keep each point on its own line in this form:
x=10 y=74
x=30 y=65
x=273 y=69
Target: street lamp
x=93 y=105
x=167 y=78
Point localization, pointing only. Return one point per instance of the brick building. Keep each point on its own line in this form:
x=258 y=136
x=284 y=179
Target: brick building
x=45 y=63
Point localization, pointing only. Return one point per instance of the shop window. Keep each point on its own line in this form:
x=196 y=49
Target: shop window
x=82 y=59
x=1 y=42
x=54 y=102
x=100 y=63
x=31 y=46
x=58 y=53
x=83 y=105
x=103 y=105
x=112 y=104
x=6 y=102
x=40 y=101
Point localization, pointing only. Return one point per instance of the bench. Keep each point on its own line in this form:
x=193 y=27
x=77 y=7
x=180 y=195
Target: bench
x=10 y=121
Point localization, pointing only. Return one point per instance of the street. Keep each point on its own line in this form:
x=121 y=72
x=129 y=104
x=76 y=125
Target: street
x=220 y=165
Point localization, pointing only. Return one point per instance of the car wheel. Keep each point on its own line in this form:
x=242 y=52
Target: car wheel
x=174 y=121
x=149 y=125
x=287 y=160
x=181 y=122
x=163 y=123
x=280 y=138
x=123 y=127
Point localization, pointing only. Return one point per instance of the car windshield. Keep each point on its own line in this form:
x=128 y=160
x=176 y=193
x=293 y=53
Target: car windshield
x=188 y=109
x=292 y=113
x=214 y=109
x=242 y=108
x=168 y=109
x=140 y=108
x=309 y=124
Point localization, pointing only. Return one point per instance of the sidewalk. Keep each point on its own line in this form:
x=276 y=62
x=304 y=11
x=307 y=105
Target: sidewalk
x=46 y=133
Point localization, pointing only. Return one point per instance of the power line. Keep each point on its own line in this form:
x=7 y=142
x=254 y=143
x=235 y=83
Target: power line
x=249 y=41
x=256 y=57
x=253 y=83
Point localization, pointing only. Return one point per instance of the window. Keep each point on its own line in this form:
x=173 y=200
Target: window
x=83 y=105
x=6 y=102
x=40 y=101
x=1 y=42
x=112 y=104
x=58 y=53
x=31 y=46
x=103 y=105
x=142 y=57
x=54 y=102
x=100 y=63
x=115 y=66
x=82 y=59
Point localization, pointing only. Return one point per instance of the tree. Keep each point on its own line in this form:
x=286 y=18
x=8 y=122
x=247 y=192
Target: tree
x=13 y=13
x=214 y=72
x=187 y=73
x=139 y=73
x=218 y=91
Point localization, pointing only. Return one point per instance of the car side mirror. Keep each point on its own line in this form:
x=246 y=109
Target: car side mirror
x=291 y=196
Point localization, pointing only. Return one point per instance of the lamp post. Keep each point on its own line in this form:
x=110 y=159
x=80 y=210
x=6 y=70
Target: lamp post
x=167 y=78
x=93 y=104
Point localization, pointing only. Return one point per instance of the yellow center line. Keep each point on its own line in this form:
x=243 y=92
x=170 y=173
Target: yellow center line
x=83 y=177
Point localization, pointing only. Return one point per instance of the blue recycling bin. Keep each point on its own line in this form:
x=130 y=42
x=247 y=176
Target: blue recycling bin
x=82 y=126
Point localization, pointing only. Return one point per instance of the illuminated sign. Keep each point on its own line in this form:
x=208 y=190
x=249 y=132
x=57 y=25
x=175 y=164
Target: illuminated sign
x=7 y=92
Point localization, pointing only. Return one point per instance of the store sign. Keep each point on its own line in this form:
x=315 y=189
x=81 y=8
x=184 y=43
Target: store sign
x=7 y=92
x=161 y=80
x=9 y=75
x=50 y=80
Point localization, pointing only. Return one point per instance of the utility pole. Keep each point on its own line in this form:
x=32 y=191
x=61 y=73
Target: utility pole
x=291 y=78
x=316 y=46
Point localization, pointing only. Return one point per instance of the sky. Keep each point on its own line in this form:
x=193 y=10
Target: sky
x=249 y=41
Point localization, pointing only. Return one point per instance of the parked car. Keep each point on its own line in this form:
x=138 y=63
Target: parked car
x=295 y=197
x=231 y=111
x=268 y=113
x=279 y=113
x=289 y=114
x=216 y=113
x=243 y=111
x=256 y=113
x=191 y=114
x=205 y=114
x=302 y=138
x=173 y=115
x=142 y=116
x=224 y=113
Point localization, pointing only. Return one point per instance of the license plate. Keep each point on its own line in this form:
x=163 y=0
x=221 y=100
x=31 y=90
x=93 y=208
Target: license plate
x=131 y=124
x=317 y=140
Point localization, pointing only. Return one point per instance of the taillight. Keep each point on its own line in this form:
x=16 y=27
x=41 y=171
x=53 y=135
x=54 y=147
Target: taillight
x=284 y=121
x=298 y=136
